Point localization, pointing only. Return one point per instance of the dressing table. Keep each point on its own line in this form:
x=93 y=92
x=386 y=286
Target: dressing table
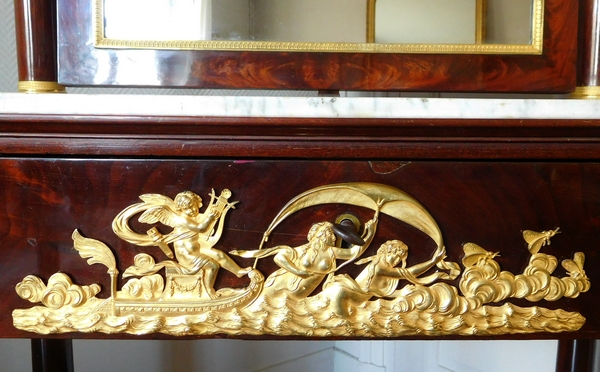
x=470 y=185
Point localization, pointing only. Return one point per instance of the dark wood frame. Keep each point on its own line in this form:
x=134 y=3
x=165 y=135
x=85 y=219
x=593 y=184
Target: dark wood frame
x=552 y=72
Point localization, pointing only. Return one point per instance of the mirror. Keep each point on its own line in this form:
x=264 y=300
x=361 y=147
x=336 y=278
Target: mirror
x=429 y=22
x=453 y=22
x=382 y=26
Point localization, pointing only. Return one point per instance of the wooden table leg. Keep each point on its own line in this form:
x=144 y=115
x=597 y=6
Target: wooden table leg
x=575 y=356
x=51 y=355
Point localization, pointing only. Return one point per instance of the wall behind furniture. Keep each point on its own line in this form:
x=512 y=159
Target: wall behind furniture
x=8 y=54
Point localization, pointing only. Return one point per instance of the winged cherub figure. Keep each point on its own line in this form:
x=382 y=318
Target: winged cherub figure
x=191 y=230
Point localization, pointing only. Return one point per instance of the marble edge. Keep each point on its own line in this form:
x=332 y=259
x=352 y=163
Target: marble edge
x=297 y=107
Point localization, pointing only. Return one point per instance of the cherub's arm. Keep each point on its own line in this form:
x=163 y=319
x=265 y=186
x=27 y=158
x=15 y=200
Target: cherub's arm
x=419 y=269
x=415 y=270
x=205 y=221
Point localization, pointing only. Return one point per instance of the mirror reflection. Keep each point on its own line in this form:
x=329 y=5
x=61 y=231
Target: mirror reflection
x=322 y=21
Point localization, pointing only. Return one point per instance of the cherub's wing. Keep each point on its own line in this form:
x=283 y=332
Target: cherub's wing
x=159 y=213
x=158 y=199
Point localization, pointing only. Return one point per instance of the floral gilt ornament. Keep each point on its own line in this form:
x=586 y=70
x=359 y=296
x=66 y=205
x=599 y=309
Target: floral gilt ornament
x=388 y=298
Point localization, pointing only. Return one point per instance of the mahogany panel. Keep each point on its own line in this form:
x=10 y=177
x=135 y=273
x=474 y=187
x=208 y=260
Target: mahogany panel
x=487 y=203
x=80 y=63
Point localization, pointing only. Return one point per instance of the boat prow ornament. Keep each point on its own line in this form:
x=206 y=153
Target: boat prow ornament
x=309 y=294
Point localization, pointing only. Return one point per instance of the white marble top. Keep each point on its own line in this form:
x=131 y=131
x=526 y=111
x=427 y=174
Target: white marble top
x=297 y=107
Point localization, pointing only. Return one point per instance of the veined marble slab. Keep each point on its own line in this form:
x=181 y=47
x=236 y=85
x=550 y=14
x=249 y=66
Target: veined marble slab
x=297 y=107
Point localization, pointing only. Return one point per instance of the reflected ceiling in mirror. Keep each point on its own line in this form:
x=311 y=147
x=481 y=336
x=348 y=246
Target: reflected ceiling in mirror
x=377 y=26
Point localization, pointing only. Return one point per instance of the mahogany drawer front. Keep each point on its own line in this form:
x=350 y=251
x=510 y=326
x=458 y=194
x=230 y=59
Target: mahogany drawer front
x=489 y=204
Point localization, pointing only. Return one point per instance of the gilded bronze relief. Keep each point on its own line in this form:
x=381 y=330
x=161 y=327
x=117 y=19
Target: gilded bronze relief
x=309 y=294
